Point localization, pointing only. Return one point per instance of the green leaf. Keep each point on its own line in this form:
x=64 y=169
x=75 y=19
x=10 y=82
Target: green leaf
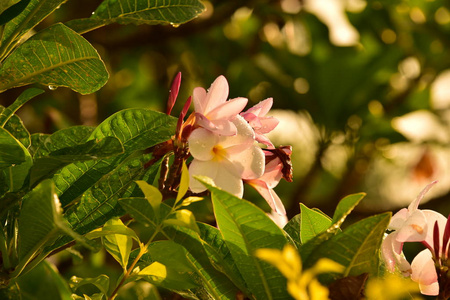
x=312 y=222
x=38 y=222
x=356 y=248
x=43 y=144
x=136 y=129
x=292 y=228
x=345 y=207
x=118 y=245
x=44 y=282
x=99 y=203
x=55 y=56
x=214 y=284
x=173 y=12
x=8 y=112
x=166 y=265
x=141 y=210
x=17 y=129
x=12 y=151
x=101 y=282
x=184 y=183
x=32 y=15
x=45 y=167
x=152 y=194
x=220 y=256
x=13 y=11
x=109 y=229
x=246 y=228
x=184 y=218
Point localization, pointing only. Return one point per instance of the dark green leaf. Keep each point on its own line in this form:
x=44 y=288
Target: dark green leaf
x=101 y=282
x=17 y=129
x=214 y=284
x=45 y=167
x=55 y=56
x=13 y=11
x=292 y=228
x=356 y=248
x=312 y=223
x=173 y=12
x=38 y=222
x=8 y=112
x=136 y=129
x=246 y=228
x=99 y=203
x=141 y=210
x=32 y=15
x=12 y=151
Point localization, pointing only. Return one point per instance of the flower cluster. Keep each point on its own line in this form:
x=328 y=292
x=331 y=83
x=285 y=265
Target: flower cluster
x=430 y=267
x=224 y=143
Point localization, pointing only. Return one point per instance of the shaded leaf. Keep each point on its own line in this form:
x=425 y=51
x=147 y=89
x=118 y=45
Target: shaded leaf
x=8 y=112
x=45 y=167
x=17 y=129
x=351 y=287
x=11 y=151
x=246 y=228
x=312 y=223
x=214 y=284
x=141 y=210
x=13 y=11
x=184 y=218
x=292 y=228
x=101 y=282
x=55 y=56
x=356 y=248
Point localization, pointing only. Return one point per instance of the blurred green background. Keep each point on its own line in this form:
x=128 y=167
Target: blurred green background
x=361 y=88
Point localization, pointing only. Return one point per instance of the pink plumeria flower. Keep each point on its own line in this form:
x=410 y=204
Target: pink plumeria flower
x=256 y=117
x=277 y=160
x=424 y=273
x=280 y=220
x=225 y=159
x=213 y=111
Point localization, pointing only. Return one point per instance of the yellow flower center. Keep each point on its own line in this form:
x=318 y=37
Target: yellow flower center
x=219 y=152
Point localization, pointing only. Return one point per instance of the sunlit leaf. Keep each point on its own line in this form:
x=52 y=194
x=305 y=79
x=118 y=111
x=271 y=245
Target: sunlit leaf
x=152 y=194
x=33 y=14
x=292 y=228
x=55 y=56
x=118 y=245
x=246 y=228
x=312 y=223
x=184 y=218
x=345 y=206
x=184 y=182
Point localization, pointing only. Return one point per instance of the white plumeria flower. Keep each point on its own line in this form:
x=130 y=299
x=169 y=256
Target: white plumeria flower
x=225 y=159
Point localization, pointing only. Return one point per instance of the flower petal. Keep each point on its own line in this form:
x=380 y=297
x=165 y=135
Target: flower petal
x=217 y=94
x=244 y=136
x=414 y=229
x=415 y=204
x=423 y=268
x=269 y=195
x=228 y=110
x=204 y=168
x=391 y=251
x=398 y=219
x=252 y=162
x=201 y=144
x=199 y=97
